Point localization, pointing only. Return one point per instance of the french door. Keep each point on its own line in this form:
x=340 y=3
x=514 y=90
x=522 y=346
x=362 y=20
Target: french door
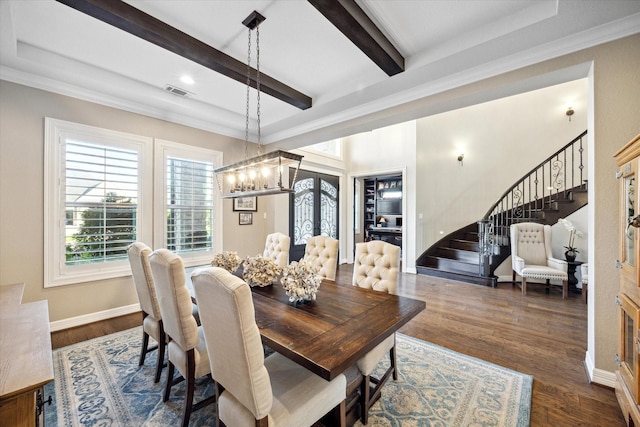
x=313 y=210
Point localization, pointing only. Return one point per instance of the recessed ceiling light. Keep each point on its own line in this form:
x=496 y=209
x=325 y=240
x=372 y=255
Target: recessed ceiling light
x=187 y=79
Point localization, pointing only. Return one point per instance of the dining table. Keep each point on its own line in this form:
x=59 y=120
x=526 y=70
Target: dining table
x=331 y=333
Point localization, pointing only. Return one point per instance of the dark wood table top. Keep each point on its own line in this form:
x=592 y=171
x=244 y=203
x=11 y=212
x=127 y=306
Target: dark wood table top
x=331 y=334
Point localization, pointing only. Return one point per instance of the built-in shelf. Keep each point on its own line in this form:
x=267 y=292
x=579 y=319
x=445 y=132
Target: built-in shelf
x=383 y=209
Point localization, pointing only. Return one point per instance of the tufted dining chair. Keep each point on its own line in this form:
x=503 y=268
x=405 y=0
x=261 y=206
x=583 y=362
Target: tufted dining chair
x=138 y=254
x=186 y=345
x=376 y=266
x=272 y=391
x=276 y=248
x=531 y=256
x=322 y=251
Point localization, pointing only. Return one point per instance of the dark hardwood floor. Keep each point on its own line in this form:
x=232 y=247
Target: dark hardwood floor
x=540 y=334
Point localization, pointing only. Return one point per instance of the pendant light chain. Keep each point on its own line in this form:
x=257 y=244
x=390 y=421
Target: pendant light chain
x=264 y=174
x=246 y=126
x=258 y=86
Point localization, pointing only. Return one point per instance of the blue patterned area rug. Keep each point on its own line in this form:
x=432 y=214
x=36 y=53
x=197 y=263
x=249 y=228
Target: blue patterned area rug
x=99 y=383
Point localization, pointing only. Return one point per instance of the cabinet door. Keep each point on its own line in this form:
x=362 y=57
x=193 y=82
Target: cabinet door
x=628 y=344
x=629 y=234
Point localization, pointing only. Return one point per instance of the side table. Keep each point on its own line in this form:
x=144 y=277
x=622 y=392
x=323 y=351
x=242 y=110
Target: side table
x=573 y=281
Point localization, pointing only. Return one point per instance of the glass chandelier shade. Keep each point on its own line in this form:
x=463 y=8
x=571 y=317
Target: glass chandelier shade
x=259 y=176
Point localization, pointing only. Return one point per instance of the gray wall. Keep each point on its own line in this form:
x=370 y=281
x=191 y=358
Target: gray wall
x=22 y=113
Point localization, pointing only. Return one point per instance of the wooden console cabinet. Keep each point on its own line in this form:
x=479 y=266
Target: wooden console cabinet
x=628 y=374
x=25 y=356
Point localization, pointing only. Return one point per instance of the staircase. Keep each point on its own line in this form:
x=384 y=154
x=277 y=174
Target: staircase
x=552 y=190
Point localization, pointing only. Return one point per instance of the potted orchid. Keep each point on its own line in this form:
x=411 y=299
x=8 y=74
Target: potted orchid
x=260 y=271
x=571 y=250
x=300 y=281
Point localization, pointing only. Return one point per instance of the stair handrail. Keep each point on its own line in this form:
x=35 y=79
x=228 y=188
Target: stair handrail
x=514 y=205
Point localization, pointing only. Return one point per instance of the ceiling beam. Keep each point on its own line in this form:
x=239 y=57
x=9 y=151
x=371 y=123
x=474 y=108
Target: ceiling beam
x=351 y=20
x=136 y=22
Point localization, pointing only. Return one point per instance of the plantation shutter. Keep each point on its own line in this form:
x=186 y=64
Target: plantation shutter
x=101 y=201
x=189 y=205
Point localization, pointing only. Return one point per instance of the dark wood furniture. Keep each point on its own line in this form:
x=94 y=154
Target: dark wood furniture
x=573 y=280
x=25 y=355
x=391 y=235
x=330 y=334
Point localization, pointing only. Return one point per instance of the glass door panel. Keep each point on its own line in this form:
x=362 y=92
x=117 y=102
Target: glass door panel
x=313 y=210
x=628 y=345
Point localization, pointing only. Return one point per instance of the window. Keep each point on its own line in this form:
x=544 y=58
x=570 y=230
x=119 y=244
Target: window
x=331 y=148
x=185 y=201
x=106 y=189
x=95 y=201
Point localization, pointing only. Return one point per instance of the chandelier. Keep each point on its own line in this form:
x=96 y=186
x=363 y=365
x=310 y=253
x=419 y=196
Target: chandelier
x=263 y=174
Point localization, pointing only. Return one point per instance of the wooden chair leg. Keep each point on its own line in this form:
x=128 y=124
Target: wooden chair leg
x=162 y=345
x=340 y=414
x=364 y=398
x=167 y=388
x=565 y=289
x=143 y=350
x=524 y=286
x=188 y=400
x=394 y=365
x=513 y=278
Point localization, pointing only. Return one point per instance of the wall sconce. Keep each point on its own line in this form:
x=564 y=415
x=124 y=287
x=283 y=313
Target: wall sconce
x=460 y=158
x=570 y=112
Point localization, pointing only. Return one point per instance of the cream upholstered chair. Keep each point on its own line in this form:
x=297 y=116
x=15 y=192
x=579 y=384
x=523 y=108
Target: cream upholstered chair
x=276 y=248
x=264 y=392
x=376 y=266
x=531 y=256
x=584 y=278
x=187 y=349
x=138 y=254
x=323 y=252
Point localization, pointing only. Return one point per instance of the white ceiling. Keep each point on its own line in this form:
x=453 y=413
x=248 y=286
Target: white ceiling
x=445 y=44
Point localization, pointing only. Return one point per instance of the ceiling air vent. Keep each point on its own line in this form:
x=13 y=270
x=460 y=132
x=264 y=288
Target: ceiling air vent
x=176 y=90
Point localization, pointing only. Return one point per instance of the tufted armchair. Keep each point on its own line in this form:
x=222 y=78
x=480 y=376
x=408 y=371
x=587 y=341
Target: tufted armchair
x=376 y=266
x=138 y=254
x=584 y=278
x=277 y=248
x=531 y=256
x=256 y=391
x=187 y=348
x=323 y=252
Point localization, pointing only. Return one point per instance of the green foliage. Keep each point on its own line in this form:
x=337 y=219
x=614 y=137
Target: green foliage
x=106 y=231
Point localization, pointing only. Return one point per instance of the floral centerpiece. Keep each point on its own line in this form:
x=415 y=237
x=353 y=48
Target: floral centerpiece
x=260 y=271
x=301 y=281
x=228 y=260
x=573 y=233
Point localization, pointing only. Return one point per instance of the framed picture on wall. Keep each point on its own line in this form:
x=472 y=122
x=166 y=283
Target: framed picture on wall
x=245 y=204
x=246 y=218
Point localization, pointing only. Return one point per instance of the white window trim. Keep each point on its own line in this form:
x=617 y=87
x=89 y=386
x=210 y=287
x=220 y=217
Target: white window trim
x=163 y=149
x=56 y=272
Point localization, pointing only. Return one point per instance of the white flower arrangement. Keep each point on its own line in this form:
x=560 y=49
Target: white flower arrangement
x=259 y=271
x=301 y=281
x=573 y=233
x=228 y=260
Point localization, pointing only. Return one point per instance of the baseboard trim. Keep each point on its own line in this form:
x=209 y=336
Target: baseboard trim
x=598 y=376
x=85 y=319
